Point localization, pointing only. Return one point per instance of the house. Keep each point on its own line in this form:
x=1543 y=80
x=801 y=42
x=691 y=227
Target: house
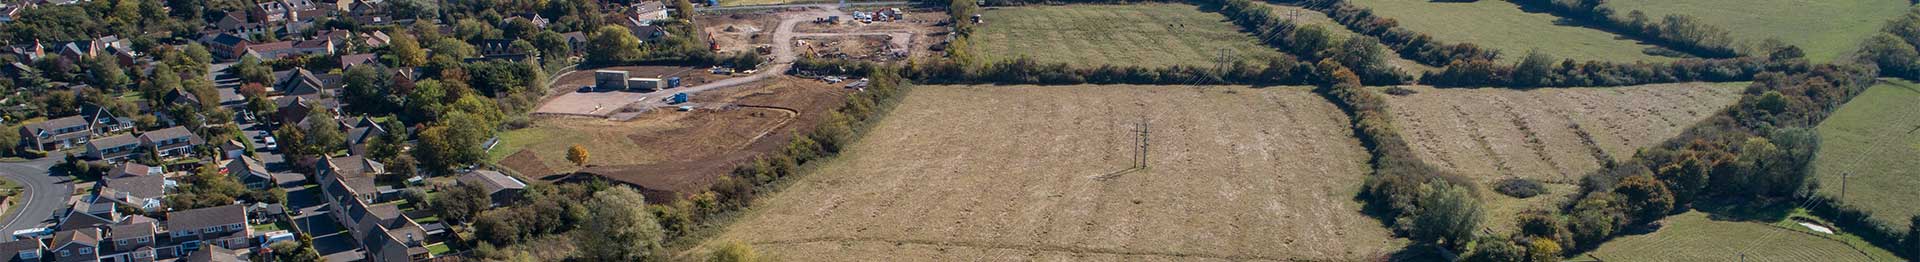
x=131 y=169
x=180 y=96
x=382 y=230
x=648 y=11
x=104 y=121
x=349 y=176
x=504 y=189
x=496 y=47
x=23 y=250
x=130 y=240
x=294 y=109
x=298 y=82
x=226 y=45
x=223 y=226
x=232 y=149
x=215 y=254
x=575 y=40
x=250 y=171
x=57 y=133
x=277 y=11
x=284 y=49
x=349 y=61
x=172 y=142
x=113 y=149
x=360 y=135
x=376 y=39
x=76 y=245
x=143 y=192
x=263 y=213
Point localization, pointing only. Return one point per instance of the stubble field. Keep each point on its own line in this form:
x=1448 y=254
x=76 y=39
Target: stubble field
x=1150 y=35
x=1029 y=173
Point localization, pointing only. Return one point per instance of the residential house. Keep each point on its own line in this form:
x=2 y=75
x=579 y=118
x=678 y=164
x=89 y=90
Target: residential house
x=375 y=39
x=215 y=254
x=232 y=149
x=648 y=11
x=23 y=250
x=104 y=121
x=172 y=142
x=131 y=241
x=361 y=134
x=57 y=133
x=10 y=11
x=503 y=189
x=223 y=226
x=251 y=172
x=278 y=11
x=27 y=52
x=226 y=45
x=294 y=109
x=113 y=149
x=180 y=96
x=298 y=82
x=131 y=169
x=576 y=40
x=143 y=192
x=349 y=61
x=76 y=245
x=349 y=177
x=284 y=49
x=382 y=230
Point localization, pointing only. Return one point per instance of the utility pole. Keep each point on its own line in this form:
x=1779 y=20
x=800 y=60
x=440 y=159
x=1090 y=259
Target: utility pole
x=1843 y=184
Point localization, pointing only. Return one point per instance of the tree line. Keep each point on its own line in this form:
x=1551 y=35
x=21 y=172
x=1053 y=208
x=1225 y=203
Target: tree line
x=1756 y=153
x=1894 y=49
x=1681 y=32
x=1421 y=201
x=1539 y=70
x=1412 y=45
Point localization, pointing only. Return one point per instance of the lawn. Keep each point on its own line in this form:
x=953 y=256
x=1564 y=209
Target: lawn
x=1503 y=26
x=606 y=142
x=1826 y=30
x=1151 y=35
x=439 y=249
x=1695 y=236
x=1872 y=141
x=269 y=227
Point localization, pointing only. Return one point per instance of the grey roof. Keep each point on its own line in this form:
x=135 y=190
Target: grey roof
x=492 y=181
x=12 y=249
x=114 y=141
x=213 y=253
x=129 y=231
x=195 y=219
x=139 y=186
x=249 y=164
x=57 y=123
x=171 y=133
x=131 y=169
x=351 y=166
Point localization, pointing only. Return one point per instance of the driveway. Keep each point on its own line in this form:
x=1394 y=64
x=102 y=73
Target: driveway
x=45 y=194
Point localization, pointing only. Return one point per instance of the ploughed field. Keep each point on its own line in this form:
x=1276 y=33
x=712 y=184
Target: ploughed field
x=1040 y=173
x=1553 y=135
x=1150 y=35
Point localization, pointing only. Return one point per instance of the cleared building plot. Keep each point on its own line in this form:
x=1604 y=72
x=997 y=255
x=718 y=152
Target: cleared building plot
x=1696 y=236
x=1152 y=35
x=1553 y=135
x=1825 y=30
x=1873 y=141
x=1504 y=26
x=1033 y=173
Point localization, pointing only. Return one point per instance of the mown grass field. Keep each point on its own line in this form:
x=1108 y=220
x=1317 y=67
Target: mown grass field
x=1874 y=139
x=1234 y=174
x=1503 y=26
x=1151 y=35
x=1306 y=16
x=1694 y=236
x=1826 y=30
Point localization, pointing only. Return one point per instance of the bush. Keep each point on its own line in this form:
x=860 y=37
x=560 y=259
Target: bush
x=1519 y=188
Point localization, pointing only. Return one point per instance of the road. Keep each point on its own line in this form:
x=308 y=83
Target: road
x=45 y=194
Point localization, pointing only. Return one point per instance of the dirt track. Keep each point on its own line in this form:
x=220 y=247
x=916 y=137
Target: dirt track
x=1004 y=173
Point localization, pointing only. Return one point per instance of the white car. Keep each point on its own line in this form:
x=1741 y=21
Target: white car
x=268 y=144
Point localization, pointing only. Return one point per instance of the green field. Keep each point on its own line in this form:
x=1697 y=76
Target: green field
x=1873 y=138
x=1151 y=35
x=1694 y=236
x=1503 y=26
x=1824 y=29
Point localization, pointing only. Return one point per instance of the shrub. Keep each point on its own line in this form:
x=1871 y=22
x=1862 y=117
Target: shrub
x=1519 y=188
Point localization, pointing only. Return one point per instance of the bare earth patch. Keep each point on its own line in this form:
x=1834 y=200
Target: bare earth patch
x=1027 y=173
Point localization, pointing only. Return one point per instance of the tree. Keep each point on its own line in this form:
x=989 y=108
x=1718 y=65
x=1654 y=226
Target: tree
x=1448 y=215
x=683 y=10
x=252 y=71
x=1913 y=236
x=619 y=228
x=1542 y=249
x=9 y=142
x=1496 y=250
x=1535 y=70
x=406 y=50
x=107 y=74
x=323 y=133
x=733 y=251
x=454 y=141
x=366 y=91
x=577 y=154
x=461 y=203
x=295 y=251
x=1686 y=178
x=612 y=44
x=1647 y=199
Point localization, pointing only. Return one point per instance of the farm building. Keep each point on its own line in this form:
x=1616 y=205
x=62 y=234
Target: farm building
x=645 y=84
x=609 y=80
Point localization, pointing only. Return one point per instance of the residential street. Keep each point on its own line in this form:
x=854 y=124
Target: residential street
x=45 y=193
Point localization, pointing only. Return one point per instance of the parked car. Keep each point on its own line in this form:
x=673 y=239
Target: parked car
x=268 y=144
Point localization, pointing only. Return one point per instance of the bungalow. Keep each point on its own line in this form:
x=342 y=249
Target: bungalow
x=143 y=192
x=171 y=142
x=113 y=149
x=223 y=226
x=76 y=245
x=131 y=169
x=56 y=134
x=349 y=61
x=250 y=171
x=504 y=189
x=226 y=45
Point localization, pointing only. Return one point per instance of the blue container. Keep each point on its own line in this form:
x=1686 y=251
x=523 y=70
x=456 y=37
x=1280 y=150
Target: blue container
x=678 y=98
x=673 y=82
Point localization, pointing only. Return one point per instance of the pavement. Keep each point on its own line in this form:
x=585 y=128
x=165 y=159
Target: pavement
x=46 y=193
